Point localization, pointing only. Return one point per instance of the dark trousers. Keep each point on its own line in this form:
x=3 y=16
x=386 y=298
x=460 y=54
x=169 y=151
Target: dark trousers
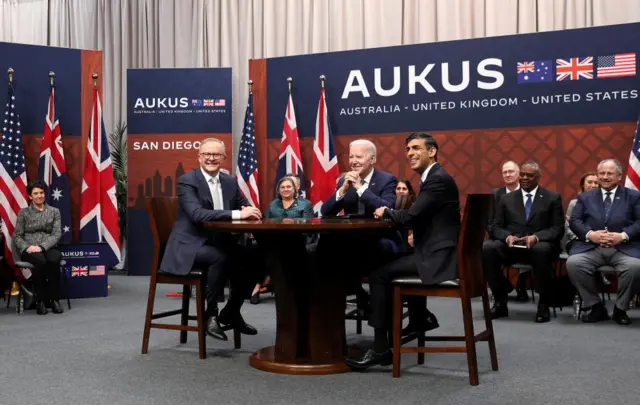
x=46 y=273
x=496 y=253
x=231 y=262
x=381 y=291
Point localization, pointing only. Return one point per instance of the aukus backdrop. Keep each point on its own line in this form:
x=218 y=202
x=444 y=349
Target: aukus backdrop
x=565 y=99
x=169 y=112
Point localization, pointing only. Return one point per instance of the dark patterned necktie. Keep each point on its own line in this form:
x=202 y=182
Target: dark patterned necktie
x=607 y=202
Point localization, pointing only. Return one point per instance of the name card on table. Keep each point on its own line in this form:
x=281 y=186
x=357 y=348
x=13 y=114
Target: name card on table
x=85 y=269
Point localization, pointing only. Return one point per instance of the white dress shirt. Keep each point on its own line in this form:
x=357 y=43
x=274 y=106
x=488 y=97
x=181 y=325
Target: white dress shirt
x=364 y=184
x=215 y=188
x=533 y=196
x=612 y=191
x=515 y=189
x=423 y=178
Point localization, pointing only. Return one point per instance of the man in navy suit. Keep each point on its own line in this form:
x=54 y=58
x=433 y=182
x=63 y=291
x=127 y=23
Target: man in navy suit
x=207 y=194
x=607 y=224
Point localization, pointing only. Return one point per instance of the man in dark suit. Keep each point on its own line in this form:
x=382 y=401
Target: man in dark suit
x=435 y=220
x=511 y=177
x=606 y=222
x=207 y=194
x=528 y=227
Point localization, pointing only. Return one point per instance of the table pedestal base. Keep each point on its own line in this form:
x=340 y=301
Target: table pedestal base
x=264 y=359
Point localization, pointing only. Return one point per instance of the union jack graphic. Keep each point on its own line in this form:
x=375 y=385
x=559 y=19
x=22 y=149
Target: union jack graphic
x=290 y=160
x=98 y=206
x=324 y=167
x=77 y=271
x=574 y=68
x=525 y=67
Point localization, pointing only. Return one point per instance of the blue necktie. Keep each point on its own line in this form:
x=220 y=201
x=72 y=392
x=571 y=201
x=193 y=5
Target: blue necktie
x=527 y=207
x=607 y=203
x=420 y=185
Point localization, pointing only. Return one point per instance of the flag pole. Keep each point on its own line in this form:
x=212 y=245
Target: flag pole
x=95 y=80
x=10 y=71
x=52 y=78
x=289 y=80
x=322 y=77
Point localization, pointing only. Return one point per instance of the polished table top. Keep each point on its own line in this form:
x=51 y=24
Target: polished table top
x=301 y=225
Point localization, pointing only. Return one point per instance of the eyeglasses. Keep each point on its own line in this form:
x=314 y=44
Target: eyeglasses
x=212 y=155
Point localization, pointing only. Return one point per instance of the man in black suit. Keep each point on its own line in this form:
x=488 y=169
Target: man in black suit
x=528 y=227
x=511 y=177
x=207 y=194
x=435 y=220
x=606 y=222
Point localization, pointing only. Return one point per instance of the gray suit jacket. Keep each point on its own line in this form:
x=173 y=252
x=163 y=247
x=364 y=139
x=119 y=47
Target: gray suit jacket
x=569 y=236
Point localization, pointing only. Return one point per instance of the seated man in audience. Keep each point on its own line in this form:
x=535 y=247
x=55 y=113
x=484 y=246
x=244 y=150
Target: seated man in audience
x=606 y=222
x=435 y=220
x=527 y=228
x=511 y=178
x=206 y=194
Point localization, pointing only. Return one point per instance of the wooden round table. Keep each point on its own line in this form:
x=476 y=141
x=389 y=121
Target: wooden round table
x=310 y=302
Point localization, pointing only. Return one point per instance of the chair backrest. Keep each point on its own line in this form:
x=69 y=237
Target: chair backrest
x=470 y=239
x=162 y=213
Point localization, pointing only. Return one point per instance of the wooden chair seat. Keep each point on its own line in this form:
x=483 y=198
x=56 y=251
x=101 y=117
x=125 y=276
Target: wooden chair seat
x=167 y=208
x=470 y=284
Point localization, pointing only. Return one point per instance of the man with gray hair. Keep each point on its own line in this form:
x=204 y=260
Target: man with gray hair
x=528 y=227
x=606 y=222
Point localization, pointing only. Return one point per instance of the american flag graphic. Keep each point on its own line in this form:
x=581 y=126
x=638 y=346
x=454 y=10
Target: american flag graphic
x=77 y=271
x=618 y=65
x=221 y=102
x=97 y=270
x=13 y=175
x=574 y=68
x=247 y=169
x=290 y=160
x=324 y=167
x=98 y=206
x=633 y=171
x=52 y=169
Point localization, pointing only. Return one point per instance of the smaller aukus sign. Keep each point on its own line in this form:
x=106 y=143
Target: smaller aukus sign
x=85 y=269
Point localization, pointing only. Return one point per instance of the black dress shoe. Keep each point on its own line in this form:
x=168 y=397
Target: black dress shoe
x=255 y=299
x=236 y=323
x=522 y=296
x=430 y=322
x=56 y=308
x=620 y=316
x=214 y=330
x=598 y=313
x=370 y=359
x=41 y=309
x=499 y=310
x=543 y=315
x=27 y=296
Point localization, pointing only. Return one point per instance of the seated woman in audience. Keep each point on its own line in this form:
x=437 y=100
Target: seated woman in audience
x=405 y=197
x=287 y=204
x=588 y=181
x=35 y=238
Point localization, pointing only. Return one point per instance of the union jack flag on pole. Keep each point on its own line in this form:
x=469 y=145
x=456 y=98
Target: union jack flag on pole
x=52 y=169
x=290 y=160
x=247 y=166
x=633 y=171
x=13 y=175
x=98 y=205
x=324 y=167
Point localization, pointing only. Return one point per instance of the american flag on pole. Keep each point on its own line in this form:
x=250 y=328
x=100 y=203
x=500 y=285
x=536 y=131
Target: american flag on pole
x=52 y=169
x=290 y=160
x=324 y=167
x=618 y=65
x=247 y=166
x=98 y=206
x=633 y=171
x=13 y=175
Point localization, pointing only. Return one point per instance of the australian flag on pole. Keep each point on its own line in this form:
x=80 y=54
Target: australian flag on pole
x=290 y=160
x=52 y=169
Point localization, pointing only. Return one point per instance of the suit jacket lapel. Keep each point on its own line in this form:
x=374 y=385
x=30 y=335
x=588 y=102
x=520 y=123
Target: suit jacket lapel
x=599 y=203
x=226 y=192
x=615 y=200
x=520 y=205
x=203 y=188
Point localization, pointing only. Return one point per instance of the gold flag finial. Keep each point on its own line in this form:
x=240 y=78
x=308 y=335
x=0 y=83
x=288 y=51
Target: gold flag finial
x=10 y=71
x=250 y=82
x=95 y=79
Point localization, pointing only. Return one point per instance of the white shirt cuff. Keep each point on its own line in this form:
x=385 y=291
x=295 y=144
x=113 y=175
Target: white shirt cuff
x=586 y=237
x=338 y=196
x=235 y=215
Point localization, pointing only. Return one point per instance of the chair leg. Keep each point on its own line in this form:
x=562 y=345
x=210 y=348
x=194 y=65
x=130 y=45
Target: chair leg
x=358 y=325
x=202 y=343
x=397 y=330
x=147 y=320
x=421 y=341
x=184 y=318
x=66 y=289
x=469 y=337
x=489 y=325
x=237 y=340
